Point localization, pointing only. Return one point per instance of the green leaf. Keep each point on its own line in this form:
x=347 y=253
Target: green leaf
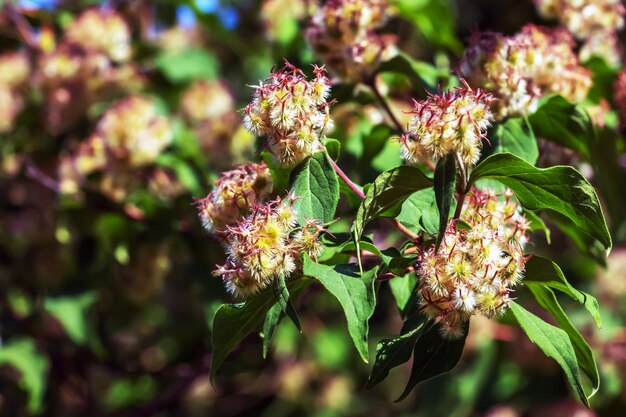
x=71 y=312
x=355 y=293
x=280 y=175
x=516 y=136
x=333 y=147
x=391 y=353
x=185 y=174
x=564 y=123
x=419 y=212
x=187 y=65
x=272 y=318
x=403 y=290
x=23 y=355
x=433 y=355
x=444 y=184
x=281 y=293
x=559 y=189
x=374 y=142
x=537 y=223
x=233 y=322
x=555 y=343
x=542 y=271
x=422 y=74
x=315 y=181
x=385 y=196
x=547 y=300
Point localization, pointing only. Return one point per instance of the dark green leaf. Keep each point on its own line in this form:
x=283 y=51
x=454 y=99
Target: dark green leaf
x=385 y=196
x=542 y=271
x=433 y=355
x=564 y=123
x=422 y=74
x=355 y=293
x=555 y=343
x=281 y=293
x=537 y=223
x=272 y=318
x=557 y=189
x=444 y=184
x=233 y=322
x=547 y=300
x=23 y=355
x=391 y=353
x=315 y=181
x=280 y=175
x=516 y=136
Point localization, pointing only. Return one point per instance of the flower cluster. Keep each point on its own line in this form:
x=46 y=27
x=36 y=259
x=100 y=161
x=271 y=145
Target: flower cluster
x=454 y=121
x=291 y=112
x=234 y=195
x=102 y=31
x=130 y=135
x=475 y=268
x=209 y=107
x=585 y=18
x=519 y=69
x=90 y=64
x=265 y=245
x=14 y=72
x=343 y=34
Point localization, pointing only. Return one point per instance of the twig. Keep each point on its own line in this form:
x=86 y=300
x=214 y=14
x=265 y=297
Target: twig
x=360 y=193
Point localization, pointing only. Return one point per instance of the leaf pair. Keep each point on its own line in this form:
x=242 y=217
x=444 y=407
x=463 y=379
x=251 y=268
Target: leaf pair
x=432 y=353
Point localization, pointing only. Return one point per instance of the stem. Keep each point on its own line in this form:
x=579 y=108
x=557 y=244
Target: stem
x=360 y=193
x=385 y=105
x=392 y=116
x=345 y=178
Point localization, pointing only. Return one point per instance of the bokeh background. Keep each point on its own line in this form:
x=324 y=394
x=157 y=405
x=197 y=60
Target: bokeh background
x=106 y=293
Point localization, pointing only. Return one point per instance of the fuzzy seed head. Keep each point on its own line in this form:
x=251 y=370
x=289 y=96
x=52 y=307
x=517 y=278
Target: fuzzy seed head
x=343 y=33
x=235 y=193
x=584 y=18
x=291 y=112
x=521 y=68
x=475 y=270
x=455 y=121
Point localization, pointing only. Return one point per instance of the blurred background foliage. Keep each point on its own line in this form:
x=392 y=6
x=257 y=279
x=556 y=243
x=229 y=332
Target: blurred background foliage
x=106 y=296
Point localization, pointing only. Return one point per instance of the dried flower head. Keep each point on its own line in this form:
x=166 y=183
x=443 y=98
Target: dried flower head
x=235 y=193
x=129 y=136
x=584 y=18
x=475 y=269
x=519 y=69
x=265 y=245
x=455 y=121
x=291 y=112
x=133 y=130
x=101 y=31
x=602 y=45
x=14 y=69
x=11 y=105
x=343 y=33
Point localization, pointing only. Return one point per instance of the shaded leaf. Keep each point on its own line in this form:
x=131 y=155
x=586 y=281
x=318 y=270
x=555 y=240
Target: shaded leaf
x=516 y=136
x=272 y=318
x=444 y=183
x=281 y=294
